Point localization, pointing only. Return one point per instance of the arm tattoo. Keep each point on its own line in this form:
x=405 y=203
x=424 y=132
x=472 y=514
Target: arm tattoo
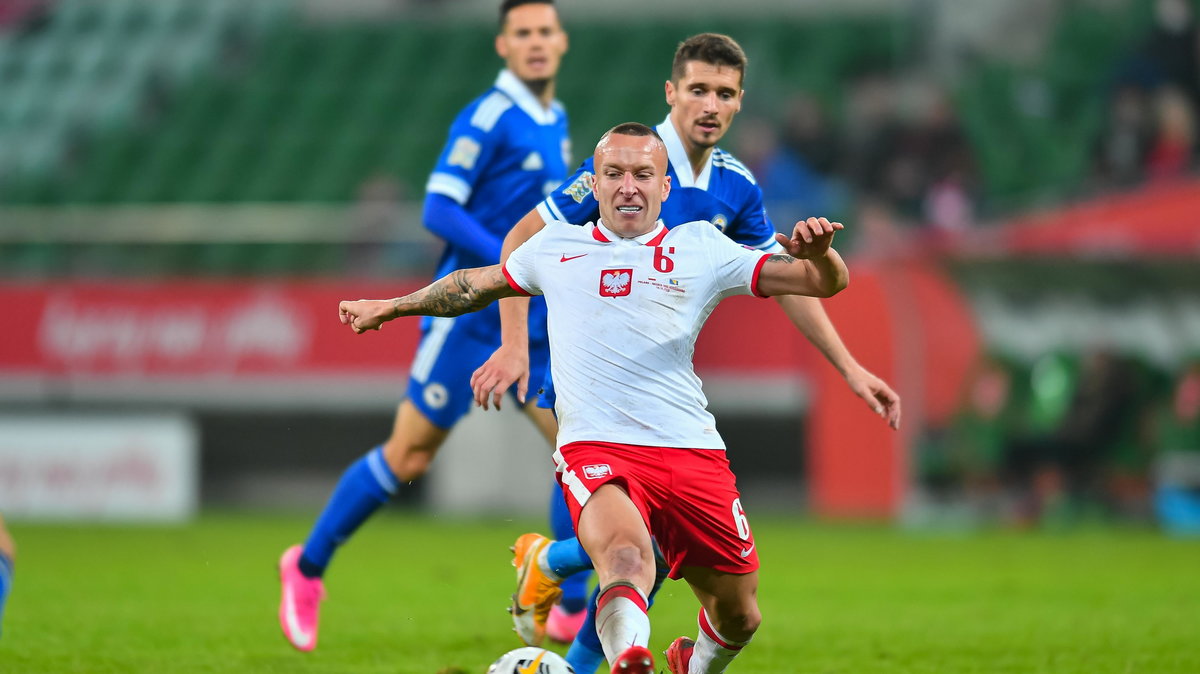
x=785 y=259
x=457 y=293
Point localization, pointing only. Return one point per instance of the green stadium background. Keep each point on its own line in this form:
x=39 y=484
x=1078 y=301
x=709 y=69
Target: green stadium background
x=224 y=151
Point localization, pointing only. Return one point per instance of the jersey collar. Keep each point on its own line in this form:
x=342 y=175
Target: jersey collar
x=507 y=82
x=650 y=238
x=678 y=158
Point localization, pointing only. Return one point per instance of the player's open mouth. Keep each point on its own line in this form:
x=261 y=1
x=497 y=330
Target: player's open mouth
x=708 y=127
x=629 y=209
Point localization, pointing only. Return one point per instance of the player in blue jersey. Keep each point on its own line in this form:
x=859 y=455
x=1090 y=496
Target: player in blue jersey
x=704 y=94
x=505 y=151
x=8 y=553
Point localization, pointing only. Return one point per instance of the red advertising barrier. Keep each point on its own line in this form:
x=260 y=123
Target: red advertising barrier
x=195 y=328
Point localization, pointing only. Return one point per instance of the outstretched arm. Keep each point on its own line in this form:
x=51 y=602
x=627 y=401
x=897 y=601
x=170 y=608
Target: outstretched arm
x=809 y=317
x=457 y=293
x=807 y=314
x=510 y=362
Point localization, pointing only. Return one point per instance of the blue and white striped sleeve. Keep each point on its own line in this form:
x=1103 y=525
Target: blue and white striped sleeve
x=470 y=147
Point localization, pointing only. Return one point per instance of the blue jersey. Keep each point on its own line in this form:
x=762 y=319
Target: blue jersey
x=724 y=194
x=504 y=154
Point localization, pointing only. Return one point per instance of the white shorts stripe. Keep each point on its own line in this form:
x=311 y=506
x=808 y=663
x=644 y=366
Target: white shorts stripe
x=571 y=481
x=431 y=348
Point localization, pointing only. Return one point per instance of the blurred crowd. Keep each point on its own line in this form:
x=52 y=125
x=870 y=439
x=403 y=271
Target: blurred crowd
x=893 y=154
x=1069 y=438
x=1149 y=132
x=899 y=155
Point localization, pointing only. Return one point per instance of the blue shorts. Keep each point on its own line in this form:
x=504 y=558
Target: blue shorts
x=439 y=382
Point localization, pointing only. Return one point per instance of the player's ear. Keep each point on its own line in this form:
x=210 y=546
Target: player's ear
x=501 y=47
x=741 y=94
x=666 y=187
x=670 y=92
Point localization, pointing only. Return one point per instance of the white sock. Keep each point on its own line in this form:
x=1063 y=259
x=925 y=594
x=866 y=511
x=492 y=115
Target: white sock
x=621 y=619
x=713 y=652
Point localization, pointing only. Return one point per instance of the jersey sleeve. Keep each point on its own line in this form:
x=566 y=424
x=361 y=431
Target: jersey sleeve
x=736 y=267
x=473 y=141
x=572 y=201
x=751 y=226
x=521 y=267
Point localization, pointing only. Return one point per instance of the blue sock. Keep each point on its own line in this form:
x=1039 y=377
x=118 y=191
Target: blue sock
x=568 y=557
x=571 y=558
x=365 y=486
x=586 y=654
x=6 y=570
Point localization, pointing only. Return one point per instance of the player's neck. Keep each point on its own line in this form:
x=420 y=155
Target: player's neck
x=697 y=155
x=543 y=90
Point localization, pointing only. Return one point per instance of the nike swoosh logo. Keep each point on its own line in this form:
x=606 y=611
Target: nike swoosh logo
x=533 y=666
x=746 y=553
x=573 y=257
x=301 y=637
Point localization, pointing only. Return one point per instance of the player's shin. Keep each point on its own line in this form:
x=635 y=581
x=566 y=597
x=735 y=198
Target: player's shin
x=621 y=619
x=5 y=580
x=365 y=486
x=713 y=652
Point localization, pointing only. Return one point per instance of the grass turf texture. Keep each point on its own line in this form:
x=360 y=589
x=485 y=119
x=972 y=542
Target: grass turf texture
x=427 y=595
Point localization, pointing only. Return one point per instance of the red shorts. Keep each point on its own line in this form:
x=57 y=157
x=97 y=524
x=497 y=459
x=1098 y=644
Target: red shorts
x=688 y=499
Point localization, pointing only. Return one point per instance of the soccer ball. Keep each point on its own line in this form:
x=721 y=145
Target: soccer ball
x=530 y=660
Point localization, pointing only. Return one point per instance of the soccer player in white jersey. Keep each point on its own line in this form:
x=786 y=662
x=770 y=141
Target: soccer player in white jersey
x=505 y=149
x=704 y=93
x=638 y=455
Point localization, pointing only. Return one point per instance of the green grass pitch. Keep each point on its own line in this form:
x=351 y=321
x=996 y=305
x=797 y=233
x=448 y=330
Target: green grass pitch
x=426 y=595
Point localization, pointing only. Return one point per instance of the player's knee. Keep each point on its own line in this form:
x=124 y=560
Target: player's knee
x=407 y=461
x=625 y=560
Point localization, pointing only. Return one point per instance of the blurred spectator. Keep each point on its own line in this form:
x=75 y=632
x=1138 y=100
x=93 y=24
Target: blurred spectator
x=792 y=188
x=377 y=209
x=979 y=432
x=1174 y=141
x=950 y=166
x=872 y=131
x=1125 y=140
x=1177 y=465
x=906 y=145
x=806 y=132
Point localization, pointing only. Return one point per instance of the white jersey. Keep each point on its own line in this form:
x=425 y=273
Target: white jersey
x=623 y=315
